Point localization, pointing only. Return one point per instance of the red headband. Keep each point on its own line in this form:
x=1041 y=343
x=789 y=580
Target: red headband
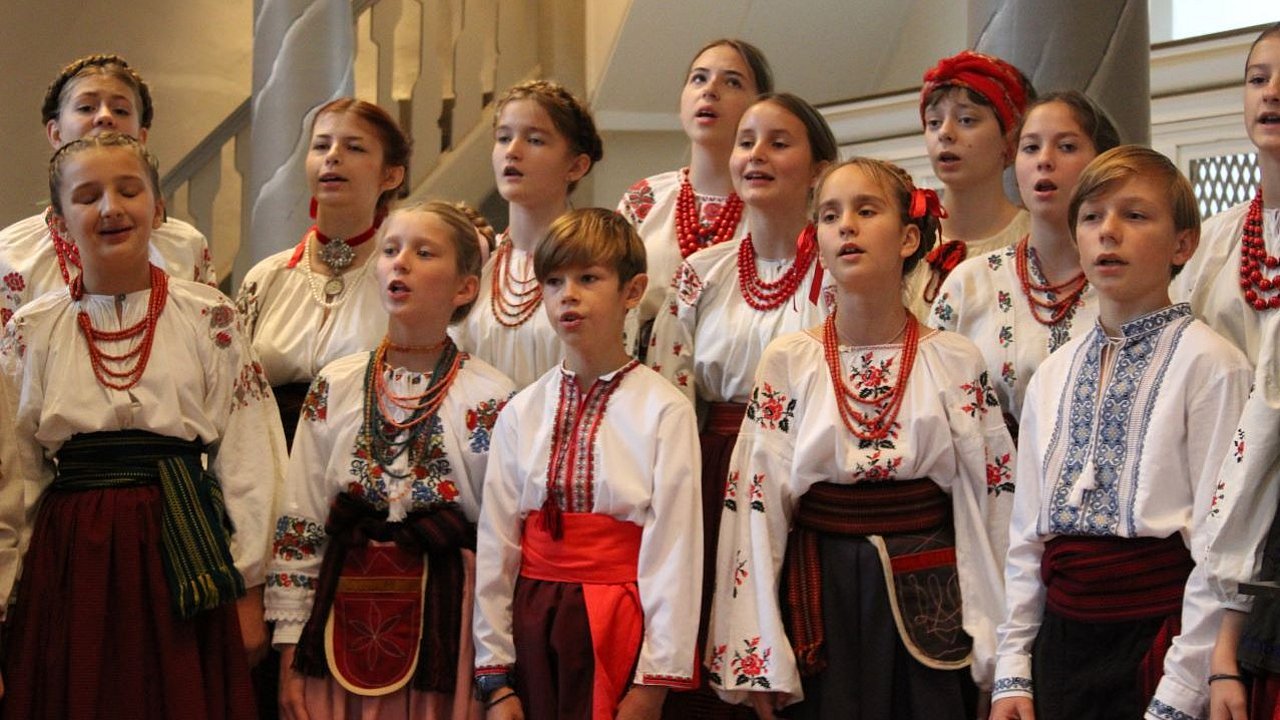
x=994 y=79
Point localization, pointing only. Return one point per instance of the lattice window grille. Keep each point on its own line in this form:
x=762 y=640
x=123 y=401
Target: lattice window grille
x=1223 y=181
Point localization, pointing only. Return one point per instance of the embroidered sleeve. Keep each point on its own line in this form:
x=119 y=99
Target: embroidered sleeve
x=12 y=294
x=498 y=546
x=204 y=271
x=299 y=541
x=747 y=646
x=669 y=572
x=1024 y=592
x=984 y=455
x=249 y=457
x=1212 y=411
x=19 y=455
x=671 y=345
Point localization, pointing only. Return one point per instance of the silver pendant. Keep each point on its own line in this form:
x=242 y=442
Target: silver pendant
x=337 y=254
x=333 y=286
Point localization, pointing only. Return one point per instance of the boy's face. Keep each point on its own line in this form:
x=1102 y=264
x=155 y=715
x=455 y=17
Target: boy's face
x=1128 y=243
x=587 y=305
x=1262 y=95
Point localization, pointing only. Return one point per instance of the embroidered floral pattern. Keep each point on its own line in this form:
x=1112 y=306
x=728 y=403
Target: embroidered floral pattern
x=739 y=571
x=247 y=305
x=291 y=580
x=995 y=261
x=770 y=408
x=1008 y=374
x=480 y=420
x=873 y=379
x=12 y=342
x=1237 y=446
x=757 y=492
x=751 y=664
x=715 y=665
x=315 y=406
x=638 y=201
x=942 y=308
x=251 y=386
x=688 y=286
x=999 y=474
x=878 y=467
x=1006 y=336
x=980 y=397
x=297 y=538
x=1004 y=301
x=430 y=481
x=15 y=282
x=731 y=491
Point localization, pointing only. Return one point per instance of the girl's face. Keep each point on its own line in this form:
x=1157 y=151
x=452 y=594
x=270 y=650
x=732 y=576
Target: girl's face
x=964 y=141
x=533 y=164
x=108 y=207
x=1262 y=96
x=345 y=165
x=772 y=163
x=861 y=236
x=717 y=92
x=1052 y=152
x=93 y=104
x=418 y=270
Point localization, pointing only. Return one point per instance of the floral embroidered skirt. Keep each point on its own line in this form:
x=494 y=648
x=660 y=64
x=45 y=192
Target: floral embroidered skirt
x=93 y=634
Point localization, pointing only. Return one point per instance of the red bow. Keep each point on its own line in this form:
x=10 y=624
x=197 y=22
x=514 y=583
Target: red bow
x=925 y=202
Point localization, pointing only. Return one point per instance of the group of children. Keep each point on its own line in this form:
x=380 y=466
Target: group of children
x=745 y=447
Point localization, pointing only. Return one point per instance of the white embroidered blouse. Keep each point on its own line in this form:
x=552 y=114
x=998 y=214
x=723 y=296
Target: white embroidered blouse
x=949 y=429
x=202 y=382
x=329 y=458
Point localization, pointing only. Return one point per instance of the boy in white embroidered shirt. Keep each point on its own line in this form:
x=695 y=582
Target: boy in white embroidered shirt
x=591 y=499
x=1109 y=610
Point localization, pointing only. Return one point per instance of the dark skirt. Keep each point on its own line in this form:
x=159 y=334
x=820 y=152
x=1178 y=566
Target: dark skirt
x=93 y=634
x=1090 y=671
x=870 y=674
x=717 y=441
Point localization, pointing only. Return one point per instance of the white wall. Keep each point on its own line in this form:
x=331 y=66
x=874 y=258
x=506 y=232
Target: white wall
x=195 y=54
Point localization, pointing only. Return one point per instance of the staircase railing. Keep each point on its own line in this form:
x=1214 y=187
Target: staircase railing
x=434 y=64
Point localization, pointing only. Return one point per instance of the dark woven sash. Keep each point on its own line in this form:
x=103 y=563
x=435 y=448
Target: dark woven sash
x=1110 y=579
x=194 y=524
x=880 y=508
x=440 y=534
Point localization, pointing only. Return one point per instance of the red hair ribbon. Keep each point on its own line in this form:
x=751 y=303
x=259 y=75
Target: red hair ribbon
x=925 y=202
x=994 y=79
x=942 y=259
x=809 y=239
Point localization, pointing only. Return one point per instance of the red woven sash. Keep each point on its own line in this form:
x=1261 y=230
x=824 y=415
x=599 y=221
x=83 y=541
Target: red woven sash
x=595 y=549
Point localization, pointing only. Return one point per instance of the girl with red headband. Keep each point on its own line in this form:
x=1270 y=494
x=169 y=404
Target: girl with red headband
x=311 y=304
x=1022 y=302
x=970 y=105
x=871 y=483
x=1232 y=283
x=681 y=211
